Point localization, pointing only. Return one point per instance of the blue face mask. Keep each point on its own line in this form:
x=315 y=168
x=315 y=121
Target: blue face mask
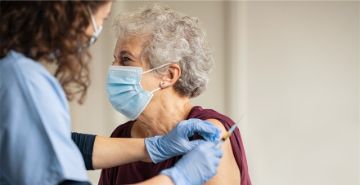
x=125 y=92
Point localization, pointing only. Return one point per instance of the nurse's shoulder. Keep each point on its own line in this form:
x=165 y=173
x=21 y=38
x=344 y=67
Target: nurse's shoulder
x=25 y=74
x=35 y=122
x=16 y=64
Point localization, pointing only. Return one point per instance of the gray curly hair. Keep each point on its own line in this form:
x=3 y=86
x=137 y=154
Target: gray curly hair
x=174 y=37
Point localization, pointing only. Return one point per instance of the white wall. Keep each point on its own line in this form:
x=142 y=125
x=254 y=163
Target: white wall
x=291 y=67
x=302 y=67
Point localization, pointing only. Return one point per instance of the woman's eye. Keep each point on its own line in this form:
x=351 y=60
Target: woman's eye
x=125 y=61
x=125 y=58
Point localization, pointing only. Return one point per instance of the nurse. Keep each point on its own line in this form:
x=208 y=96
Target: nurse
x=36 y=145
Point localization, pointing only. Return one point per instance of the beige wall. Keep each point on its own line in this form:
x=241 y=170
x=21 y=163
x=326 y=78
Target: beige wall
x=302 y=92
x=291 y=68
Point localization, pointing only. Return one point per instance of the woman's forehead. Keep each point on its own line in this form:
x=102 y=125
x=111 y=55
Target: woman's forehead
x=132 y=44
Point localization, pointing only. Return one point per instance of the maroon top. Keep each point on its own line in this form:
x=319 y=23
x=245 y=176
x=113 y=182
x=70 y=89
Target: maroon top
x=140 y=171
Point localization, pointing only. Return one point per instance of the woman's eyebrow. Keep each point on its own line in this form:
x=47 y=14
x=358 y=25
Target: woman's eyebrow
x=125 y=52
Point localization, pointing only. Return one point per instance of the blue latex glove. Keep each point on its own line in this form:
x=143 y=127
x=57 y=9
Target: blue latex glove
x=177 y=141
x=197 y=166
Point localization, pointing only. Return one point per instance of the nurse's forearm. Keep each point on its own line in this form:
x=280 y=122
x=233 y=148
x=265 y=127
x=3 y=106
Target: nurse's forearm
x=157 y=180
x=110 y=152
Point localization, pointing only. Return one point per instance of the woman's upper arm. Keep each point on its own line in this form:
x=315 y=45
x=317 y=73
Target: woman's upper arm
x=228 y=171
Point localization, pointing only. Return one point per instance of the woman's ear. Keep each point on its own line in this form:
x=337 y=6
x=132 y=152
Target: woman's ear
x=171 y=76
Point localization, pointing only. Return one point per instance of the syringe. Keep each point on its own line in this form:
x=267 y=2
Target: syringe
x=231 y=130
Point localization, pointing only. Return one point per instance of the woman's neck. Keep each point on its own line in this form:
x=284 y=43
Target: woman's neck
x=161 y=116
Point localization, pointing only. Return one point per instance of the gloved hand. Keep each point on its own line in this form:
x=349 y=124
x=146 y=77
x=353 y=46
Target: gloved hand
x=177 y=141
x=197 y=166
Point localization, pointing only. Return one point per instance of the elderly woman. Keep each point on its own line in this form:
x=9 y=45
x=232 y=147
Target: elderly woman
x=161 y=61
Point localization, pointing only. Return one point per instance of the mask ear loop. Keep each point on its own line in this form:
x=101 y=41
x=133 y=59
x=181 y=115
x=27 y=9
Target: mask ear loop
x=161 y=86
x=159 y=67
x=157 y=89
x=93 y=22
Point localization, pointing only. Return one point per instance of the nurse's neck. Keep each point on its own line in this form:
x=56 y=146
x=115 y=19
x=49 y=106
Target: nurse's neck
x=163 y=113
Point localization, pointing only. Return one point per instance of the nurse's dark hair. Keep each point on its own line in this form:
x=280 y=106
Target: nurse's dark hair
x=54 y=32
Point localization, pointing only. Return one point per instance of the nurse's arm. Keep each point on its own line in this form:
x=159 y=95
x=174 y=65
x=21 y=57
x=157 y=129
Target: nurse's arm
x=110 y=152
x=102 y=152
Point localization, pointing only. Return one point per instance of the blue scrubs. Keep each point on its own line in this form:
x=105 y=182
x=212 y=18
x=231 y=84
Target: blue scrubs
x=35 y=129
